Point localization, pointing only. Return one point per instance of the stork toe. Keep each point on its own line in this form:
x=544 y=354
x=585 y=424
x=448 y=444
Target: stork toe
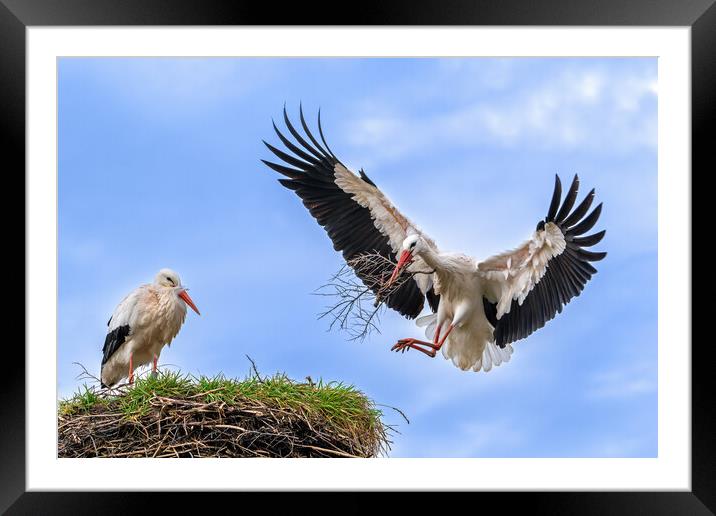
x=401 y=345
x=405 y=344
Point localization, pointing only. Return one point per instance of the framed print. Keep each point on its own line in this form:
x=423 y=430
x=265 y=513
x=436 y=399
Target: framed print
x=558 y=361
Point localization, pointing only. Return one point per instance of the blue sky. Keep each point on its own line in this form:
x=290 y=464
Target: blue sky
x=159 y=167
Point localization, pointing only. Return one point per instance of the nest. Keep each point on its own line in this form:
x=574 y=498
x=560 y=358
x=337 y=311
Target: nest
x=273 y=417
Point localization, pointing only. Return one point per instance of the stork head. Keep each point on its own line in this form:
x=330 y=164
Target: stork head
x=168 y=279
x=412 y=245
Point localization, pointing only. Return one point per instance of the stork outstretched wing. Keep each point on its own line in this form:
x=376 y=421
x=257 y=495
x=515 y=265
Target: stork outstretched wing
x=357 y=216
x=528 y=286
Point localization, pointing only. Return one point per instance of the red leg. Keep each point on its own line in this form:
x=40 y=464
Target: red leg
x=154 y=365
x=440 y=344
x=436 y=338
x=131 y=370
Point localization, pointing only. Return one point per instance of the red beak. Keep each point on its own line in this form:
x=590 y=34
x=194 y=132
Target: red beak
x=405 y=258
x=185 y=297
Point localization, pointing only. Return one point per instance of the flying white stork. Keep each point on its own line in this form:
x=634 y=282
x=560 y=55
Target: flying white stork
x=479 y=308
x=142 y=324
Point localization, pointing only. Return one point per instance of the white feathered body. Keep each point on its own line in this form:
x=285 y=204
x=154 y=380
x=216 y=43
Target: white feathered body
x=470 y=344
x=154 y=316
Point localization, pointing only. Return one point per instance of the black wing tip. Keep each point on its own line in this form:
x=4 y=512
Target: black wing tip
x=269 y=164
x=596 y=212
x=589 y=240
x=300 y=115
x=598 y=256
x=556 y=199
x=277 y=130
x=273 y=149
x=365 y=178
x=558 y=179
x=323 y=138
x=314 y=147
x=568 y=203
x=577 y=216
x=325 y=152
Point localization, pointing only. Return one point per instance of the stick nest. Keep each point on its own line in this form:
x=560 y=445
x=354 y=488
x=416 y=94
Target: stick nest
x=177 y=416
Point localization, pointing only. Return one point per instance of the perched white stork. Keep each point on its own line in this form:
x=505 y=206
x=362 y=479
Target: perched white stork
x=479 y=308
x=142 y=324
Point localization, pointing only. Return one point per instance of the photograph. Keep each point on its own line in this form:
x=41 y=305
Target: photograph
x=357 y=257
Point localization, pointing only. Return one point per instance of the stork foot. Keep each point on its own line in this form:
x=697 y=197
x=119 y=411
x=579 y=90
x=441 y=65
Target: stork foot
x=405 y=344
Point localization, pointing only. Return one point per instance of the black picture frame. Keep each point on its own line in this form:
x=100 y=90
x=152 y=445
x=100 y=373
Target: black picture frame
x=17 y=15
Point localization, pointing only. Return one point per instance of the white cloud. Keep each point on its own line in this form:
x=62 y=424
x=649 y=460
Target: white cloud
x=591 y=86
x=582 y=107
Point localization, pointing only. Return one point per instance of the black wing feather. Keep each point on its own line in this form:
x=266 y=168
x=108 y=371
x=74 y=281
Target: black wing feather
x=113 y=340
x=556 y=196
x=566 y=274
x=569 y=199
x=348 y=224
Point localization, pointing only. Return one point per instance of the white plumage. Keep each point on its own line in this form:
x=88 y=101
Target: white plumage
x=513 y=274
x=462 y=283
x=480 y=308
x=146 y=320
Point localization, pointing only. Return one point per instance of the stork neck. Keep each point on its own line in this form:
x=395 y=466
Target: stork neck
x=431 y=258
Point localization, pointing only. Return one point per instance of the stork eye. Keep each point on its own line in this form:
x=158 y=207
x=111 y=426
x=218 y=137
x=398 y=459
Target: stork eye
x=170 y=280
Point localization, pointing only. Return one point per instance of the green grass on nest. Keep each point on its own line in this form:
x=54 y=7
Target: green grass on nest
x=175 y=414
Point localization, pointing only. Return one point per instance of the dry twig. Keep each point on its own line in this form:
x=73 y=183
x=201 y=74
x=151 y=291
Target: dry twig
x=360 y=290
